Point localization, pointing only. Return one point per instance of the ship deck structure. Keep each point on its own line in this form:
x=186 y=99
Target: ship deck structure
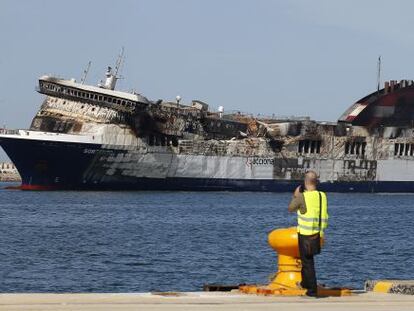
x=96 y=137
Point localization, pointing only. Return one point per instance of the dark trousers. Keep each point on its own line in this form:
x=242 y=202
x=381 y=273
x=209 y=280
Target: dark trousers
x=308 y=267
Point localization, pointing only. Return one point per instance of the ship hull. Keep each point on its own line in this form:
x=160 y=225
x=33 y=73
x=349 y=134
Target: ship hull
x=47 y=165
x=57 y=165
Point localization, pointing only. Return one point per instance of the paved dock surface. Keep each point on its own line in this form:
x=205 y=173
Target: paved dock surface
x=202 y=301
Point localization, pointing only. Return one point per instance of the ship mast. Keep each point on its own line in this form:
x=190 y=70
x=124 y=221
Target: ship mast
x=85 y=73
x=379 y=73
x=119 y=62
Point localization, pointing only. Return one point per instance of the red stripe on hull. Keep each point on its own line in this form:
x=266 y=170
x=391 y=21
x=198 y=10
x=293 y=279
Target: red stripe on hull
x=33 y=187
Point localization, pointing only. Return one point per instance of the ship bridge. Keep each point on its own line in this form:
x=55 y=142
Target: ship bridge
x=391 y=106
x=70 y=89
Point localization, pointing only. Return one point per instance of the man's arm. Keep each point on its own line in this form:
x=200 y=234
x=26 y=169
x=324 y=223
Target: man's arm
x=297 y=202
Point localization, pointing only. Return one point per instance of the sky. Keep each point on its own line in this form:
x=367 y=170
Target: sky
x=304 y=58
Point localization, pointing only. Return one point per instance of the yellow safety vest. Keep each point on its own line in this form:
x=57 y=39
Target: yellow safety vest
x=308 y=223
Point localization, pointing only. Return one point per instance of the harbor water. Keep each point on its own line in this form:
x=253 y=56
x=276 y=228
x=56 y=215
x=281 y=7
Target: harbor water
x=178 y=241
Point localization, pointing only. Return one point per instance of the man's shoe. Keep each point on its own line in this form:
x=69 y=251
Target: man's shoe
x=311 y=294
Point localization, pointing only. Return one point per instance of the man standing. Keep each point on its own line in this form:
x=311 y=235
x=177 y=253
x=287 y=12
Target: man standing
x=312 y=208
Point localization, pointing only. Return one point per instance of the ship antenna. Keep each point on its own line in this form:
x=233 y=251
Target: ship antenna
x=119 y=62
x=85 y=72
x=379 y=74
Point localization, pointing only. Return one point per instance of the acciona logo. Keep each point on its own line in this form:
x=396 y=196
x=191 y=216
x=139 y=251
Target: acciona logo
x=259 y=161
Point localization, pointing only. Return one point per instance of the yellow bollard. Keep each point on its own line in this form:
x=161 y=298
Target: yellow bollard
x=288 y=277
x=285 y=243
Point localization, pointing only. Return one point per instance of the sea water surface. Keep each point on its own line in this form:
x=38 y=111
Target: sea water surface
x=170 y=241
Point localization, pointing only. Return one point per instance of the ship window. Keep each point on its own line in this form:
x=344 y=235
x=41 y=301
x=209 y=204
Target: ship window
x=312 y=146
x=105 y=98
x=151 y=140
x=355 y=148
x=306 y=146
x=309 y=146
x=401 y=149
x=118 y=101
x=175 y=141
x=363 y=147
x=100 y=97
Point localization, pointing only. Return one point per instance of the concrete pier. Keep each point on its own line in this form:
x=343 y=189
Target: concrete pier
x=202 y=301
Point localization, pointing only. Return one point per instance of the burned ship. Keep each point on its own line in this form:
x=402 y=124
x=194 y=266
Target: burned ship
x=96 y=137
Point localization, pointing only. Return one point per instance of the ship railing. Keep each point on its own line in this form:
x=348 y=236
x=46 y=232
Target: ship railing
x=231 y=114
x=8 y=131
x=283 y=118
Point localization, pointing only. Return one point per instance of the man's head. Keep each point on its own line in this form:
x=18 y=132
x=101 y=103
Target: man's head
x=311 y=180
